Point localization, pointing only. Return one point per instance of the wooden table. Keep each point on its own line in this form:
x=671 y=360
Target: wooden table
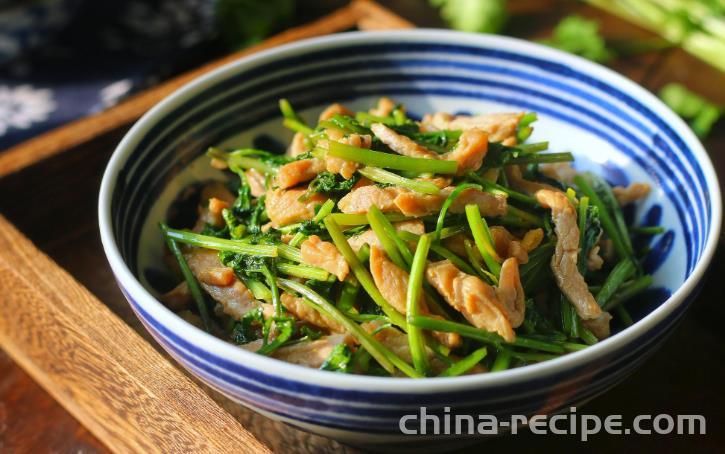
x=684 y=377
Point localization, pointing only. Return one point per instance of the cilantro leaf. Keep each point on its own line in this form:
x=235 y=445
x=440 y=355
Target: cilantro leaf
x=339 y=359
x=580 y=36
x=697 y=111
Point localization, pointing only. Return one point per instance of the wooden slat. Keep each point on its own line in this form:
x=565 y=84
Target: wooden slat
x=97 y=367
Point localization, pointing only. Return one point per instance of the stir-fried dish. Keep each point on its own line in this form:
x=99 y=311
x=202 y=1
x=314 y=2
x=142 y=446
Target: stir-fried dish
x=382 y=245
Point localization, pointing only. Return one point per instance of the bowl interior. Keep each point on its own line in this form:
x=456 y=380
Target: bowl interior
x=612 y=126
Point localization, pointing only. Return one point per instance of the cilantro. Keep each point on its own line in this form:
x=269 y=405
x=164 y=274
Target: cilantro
x=535 y=321
x=328 y=182
x=580 y=36
x=218 y=232
x=339 y=359
x=482 y=16
x=249 y=329
x=699 y=113
x=245 y=22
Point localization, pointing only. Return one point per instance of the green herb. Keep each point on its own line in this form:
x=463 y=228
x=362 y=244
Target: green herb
x=699 y=113
x=620 y=273
x=581 y=37
x=464 y=365
x=600 y=195
x=249 y=328
x=388 y=160
x=189 y=277
x=339 y=360
x=483 y=239
x=481 y=16
x=330 y=183
x=389 y=178
x=414 y=295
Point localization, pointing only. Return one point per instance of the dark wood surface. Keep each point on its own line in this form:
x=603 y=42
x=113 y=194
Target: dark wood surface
x=684 y=377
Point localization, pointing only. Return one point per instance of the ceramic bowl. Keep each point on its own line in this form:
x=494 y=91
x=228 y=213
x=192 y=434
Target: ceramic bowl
x=613 y=126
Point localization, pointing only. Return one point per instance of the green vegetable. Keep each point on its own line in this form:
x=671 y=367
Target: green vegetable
x=700 y=114
x=191 y=281
x=385 y=357
x=414 y=295
x=620 y=273
x=245 y=22
x=389 y=161
x=447 y=204
x=385 y=177
x=376 y=220
x=481 y=16
x=696 y=25
x=361 y=273
x=464 y=365
x=330 y=183
x=249 y=328
x=600 y=195
x=503 y=360
x=339 y=360
x=580 y=36
x=483 y=239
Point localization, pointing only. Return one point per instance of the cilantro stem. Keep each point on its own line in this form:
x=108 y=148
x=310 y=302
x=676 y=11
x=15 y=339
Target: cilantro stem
x=387 y=359
x=620 y=273
x=503 y=360
x=383 y=176
x=414 y=295
x=545 y=158
x=303 y=271
x=626 y=293
x=348 y=219
x=220 y=244
x=374 y=214
x=447 y=204
x=482 y=238
x=389 y=160
x=464 y=365
x=190 y=279
x=361 y=273
x=648 y=230
x=240 y=158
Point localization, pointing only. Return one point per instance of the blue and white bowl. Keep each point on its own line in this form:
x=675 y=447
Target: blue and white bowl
x=613 y=126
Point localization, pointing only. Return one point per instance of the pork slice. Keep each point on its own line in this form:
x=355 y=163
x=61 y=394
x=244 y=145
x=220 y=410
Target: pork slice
x=470 y=151
x=234 y=297
x=392 y=281
x=507 y=245
x=472 y=297
x=398 y=343
x=519 y=183
x=500 y=127
x=384 y=107
x=287 y=206
x=308 y=354
x=301 y=311
x=566 y=251
x=256 y=182
x=298 y=145
x=631 y=193
x=325 y=255
x=510 y=292
x=334 y=109
x=401 y=144
x=296 y=172
x=361 y=199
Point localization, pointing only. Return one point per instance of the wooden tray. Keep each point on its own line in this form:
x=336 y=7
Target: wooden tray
x=65 y=321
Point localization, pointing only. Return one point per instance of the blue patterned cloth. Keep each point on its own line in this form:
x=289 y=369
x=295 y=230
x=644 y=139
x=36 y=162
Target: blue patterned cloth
x=94 y=55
